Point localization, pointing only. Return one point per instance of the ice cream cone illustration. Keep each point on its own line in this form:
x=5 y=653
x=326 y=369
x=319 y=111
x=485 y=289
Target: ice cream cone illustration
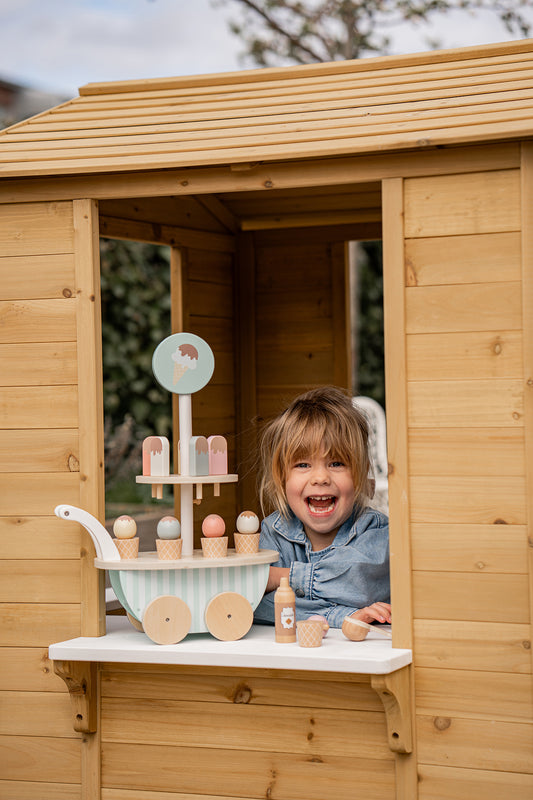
x=185 y=358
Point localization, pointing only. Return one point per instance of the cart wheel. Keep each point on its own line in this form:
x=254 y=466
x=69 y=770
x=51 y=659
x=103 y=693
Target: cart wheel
x=228 y=616
x=135 y=622
x=167 y=619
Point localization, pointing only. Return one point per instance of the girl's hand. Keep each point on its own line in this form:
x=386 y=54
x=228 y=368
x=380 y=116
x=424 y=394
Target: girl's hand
x=377 y=612
x=274 y=576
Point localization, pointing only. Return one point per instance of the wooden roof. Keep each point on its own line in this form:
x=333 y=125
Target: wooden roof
x=346 y=107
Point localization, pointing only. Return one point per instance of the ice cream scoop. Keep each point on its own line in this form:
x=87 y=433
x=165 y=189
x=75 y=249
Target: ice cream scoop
x=213 y=525
x=124 y=527
x=247 y=522
x=168 y=528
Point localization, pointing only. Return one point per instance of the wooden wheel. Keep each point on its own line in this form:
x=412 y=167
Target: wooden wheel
x=167 y=619
x=228 y=616
x=135 y=622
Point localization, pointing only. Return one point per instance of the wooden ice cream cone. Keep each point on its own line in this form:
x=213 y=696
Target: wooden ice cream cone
x=215 y=546
x=310 y=632
x=169 y=549
x=128 y=548
x=246 y=542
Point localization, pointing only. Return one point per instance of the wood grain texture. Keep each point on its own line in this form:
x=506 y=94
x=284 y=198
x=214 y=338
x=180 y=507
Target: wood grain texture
x=486 y=202
x=490 y=646
x=456 y=783
x=470 y=743
x=465 y=403
x=39 y=581
x=44 y=536
x=242 y=773
x=37 y=277
x=469 y=693
x=470 y=500
x=469 y=548
x=28 y=669
x=470 y=258
x=460 y=596
x=467 y=451
x=29 y=790
x=36 y=714
x=40 y=758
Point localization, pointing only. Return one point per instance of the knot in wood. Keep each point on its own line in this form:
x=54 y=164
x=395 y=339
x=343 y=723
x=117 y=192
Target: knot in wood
x=442 y=723
x=243 y=694
x=526 y=644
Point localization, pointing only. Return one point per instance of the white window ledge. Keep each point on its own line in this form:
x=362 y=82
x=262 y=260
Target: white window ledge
x=258 y=649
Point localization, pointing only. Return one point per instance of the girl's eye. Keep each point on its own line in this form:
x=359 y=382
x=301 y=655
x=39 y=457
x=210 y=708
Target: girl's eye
x=301 y=465
x=337 y=464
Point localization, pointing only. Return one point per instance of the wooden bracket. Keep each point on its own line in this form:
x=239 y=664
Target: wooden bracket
x=394 y=692
x=80 y=677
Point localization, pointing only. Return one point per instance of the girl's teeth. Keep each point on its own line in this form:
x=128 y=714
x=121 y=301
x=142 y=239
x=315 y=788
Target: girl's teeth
x=321 y=505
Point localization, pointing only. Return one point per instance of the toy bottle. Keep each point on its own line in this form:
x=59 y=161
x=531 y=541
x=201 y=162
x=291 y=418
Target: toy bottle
x=285 y=612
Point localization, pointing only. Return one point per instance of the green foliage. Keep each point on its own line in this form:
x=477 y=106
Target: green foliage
x=135 y=318
x=370 y=341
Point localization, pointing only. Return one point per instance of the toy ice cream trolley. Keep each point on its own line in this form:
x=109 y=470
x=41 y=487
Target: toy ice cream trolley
x=211 y=590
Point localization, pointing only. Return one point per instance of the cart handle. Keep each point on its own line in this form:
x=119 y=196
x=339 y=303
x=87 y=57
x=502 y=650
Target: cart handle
x=106 y=548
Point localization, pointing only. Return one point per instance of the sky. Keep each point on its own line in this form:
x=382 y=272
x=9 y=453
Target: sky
x=59 y=45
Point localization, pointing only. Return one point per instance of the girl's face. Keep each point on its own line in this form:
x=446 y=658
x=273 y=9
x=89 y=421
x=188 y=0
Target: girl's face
x=320 y=492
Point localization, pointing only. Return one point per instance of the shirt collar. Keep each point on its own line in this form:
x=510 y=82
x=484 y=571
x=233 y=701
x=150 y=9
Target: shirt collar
x=292 y=529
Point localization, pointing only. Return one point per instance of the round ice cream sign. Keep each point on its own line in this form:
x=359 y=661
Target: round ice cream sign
x=183 y=363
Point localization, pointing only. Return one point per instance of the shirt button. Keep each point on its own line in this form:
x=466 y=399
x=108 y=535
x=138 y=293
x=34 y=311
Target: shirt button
x=299 y=593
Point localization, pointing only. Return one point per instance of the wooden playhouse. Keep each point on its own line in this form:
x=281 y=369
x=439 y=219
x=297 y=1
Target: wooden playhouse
x=257 y=181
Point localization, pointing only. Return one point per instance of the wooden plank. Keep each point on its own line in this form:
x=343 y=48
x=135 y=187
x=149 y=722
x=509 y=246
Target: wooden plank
x=456 y=783
x=210 y=265
x=91 y=487
x=40 y=758
x=38 y=624
x=477 y=598
x=488 y=202
x=210 y=299
x=310 y=731
x=242 y=773
x=319 y=173
x=38 y=364
x=37 y=493
x=29 y=790
x=469 y=548
x=135 y=230
x=497 y=403
x=28 y=669
x=238 y=687
x=41 y=450
x=37 y=321
x=466 y=451
x=36 y=714
x=50 y=232
x=488 y=646
x=475 y=744
x=527 y=299
x=473 y=307
x=474 y=258
x=44 y=537
x=180 y=212
x=485 y=354
x=467 y=693
x=37 y=277
x=32 y=581
x=38 y=407
x=131 y=794
x=470 y=500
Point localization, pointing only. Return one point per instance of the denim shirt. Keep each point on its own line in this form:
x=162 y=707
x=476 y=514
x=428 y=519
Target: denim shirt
x=351 y=573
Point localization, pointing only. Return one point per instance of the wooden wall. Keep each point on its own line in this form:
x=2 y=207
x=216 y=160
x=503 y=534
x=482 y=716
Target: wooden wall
x=465 y=344
x=170 y=732
x=48 y=455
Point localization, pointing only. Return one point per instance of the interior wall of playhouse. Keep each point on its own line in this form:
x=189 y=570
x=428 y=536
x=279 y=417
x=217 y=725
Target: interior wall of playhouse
x=271 y=301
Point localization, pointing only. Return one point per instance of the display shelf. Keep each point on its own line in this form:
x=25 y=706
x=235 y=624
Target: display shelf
x=258 y=649
x=186 y=479
x=150 y=561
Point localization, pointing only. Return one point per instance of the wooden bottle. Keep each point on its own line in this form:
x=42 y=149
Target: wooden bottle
x=285 y=612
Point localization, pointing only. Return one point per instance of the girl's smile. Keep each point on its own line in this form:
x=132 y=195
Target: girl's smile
x=320 y=492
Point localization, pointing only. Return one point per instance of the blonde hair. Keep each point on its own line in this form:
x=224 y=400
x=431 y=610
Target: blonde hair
x=323 y=422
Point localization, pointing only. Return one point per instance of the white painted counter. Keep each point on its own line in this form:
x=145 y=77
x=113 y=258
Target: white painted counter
x=123 y=644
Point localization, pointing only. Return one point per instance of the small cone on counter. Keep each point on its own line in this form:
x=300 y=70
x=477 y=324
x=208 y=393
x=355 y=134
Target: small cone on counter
x=310 y=632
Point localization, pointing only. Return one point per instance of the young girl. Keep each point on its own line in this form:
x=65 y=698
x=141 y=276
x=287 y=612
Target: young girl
x=332 y=546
